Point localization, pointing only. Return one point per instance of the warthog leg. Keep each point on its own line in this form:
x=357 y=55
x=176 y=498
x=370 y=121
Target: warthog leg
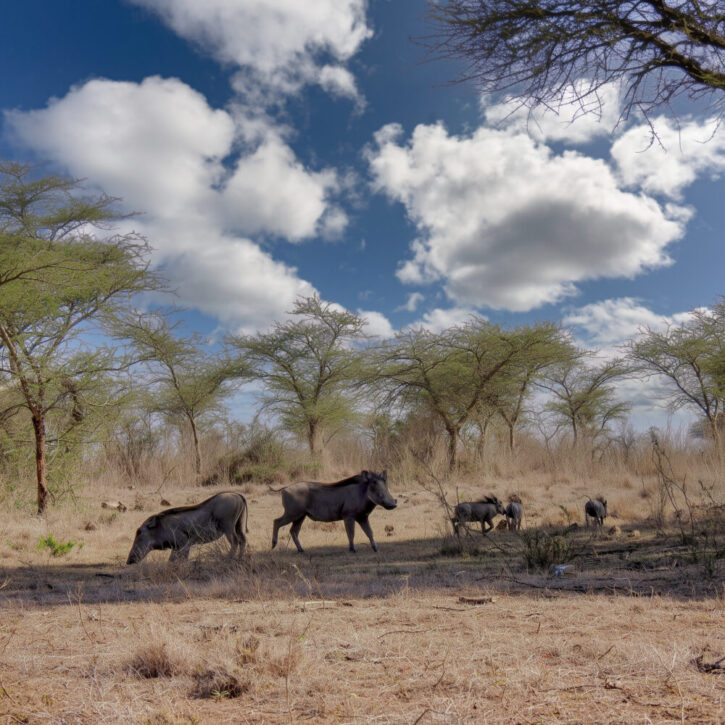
x=235 y=536
x=241 y=538
x=350 y=528
x=365 y=526
x=294 y=530
x=283 y=520
x=181 y=554
x=485 y=530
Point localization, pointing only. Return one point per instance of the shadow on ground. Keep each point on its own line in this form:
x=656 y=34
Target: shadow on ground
x=650 y=564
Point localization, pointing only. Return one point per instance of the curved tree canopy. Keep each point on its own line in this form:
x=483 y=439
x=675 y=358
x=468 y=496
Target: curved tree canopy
x=538 y=51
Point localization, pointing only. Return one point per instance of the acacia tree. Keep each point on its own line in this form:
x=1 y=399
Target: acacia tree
x=552 y=347
x=185 y=382
x=538 y=50
x=690 y=357
x=583 y=396
x=457 y=373
x=307 y=367
x=62 y=272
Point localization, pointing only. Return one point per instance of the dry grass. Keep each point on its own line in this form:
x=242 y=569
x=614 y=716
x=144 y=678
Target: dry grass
x=341 y=638
x=525 y=658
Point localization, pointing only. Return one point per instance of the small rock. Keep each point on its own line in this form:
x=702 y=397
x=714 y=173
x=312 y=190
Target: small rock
x=90 y=527
x=634 y=533
x=566 y=570
x=501 y=525
x=389 y=529
x=614 y=530
x=164 y=502
x=115 y=505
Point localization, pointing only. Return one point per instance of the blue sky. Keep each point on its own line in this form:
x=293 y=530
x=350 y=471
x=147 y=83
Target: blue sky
x=275 y=148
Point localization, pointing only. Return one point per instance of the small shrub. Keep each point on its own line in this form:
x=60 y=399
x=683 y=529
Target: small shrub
x=154 y=660
x=57 y=548
x=542 y=549
x=219 y=683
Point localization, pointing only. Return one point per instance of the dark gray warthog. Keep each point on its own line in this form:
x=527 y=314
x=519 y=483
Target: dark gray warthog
x=180 y=528
x=514 y=513
x=483 y=511
x=349 y=500
x=595 y=511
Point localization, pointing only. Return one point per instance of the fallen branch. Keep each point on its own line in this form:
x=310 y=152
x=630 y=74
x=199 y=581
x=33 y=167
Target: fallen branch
x=476 y=600
x=401 y=631
x=716 y=667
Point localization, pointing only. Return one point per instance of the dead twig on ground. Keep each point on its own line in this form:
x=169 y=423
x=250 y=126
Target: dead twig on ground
x=716 y=667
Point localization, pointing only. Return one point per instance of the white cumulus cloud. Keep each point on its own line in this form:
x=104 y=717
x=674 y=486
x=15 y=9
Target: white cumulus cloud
x=277 y=44
x=378 y=325
x=411 y=304
x=583 y=115
x=161 y=148
x=673 y=160
x=611 y=322
x=439 y=320
x=503 y=222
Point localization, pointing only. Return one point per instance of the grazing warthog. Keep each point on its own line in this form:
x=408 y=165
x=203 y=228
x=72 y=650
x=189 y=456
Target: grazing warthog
x=514 y=513
x=349 y=500
x=180 y=528
x=482 y=511
x=595 y=509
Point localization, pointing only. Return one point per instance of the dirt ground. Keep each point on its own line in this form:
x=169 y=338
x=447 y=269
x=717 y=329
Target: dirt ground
x=418 y=633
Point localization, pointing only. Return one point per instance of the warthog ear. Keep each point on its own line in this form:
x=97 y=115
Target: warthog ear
x=384 y=475
x=153 y=522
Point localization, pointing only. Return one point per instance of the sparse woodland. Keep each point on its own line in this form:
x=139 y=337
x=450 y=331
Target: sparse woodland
x=90 y=384
x=110 y=412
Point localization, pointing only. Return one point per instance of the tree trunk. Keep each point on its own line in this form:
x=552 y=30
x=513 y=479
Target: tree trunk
x=197 y=449
x=452 y=447
x=715 y=431
x=482 y=437
x=512 y=440
x=312 y=437
x=40 y=445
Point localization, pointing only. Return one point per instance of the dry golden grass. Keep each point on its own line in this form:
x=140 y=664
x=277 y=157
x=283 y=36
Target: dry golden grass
x=521 y=658
x=332 y=637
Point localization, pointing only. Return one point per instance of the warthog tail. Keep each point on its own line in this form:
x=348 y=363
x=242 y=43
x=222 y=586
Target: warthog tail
x=245 y=514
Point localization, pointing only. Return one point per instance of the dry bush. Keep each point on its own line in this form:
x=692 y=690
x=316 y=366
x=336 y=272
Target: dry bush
x=155 y=659
x=227 y=674
x=219 y=682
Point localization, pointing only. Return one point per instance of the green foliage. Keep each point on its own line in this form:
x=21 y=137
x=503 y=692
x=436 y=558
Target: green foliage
x=584 y=398
x=60 y=283
x=461 y=372
x=307 y=368
x=690 y=358
x=57 y=548
x=186 y=385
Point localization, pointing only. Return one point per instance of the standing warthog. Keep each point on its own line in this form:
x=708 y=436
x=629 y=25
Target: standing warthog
x=349 y=500
x=514 y=513
x=180 y=528
x=596 y=509
x=482 y=511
